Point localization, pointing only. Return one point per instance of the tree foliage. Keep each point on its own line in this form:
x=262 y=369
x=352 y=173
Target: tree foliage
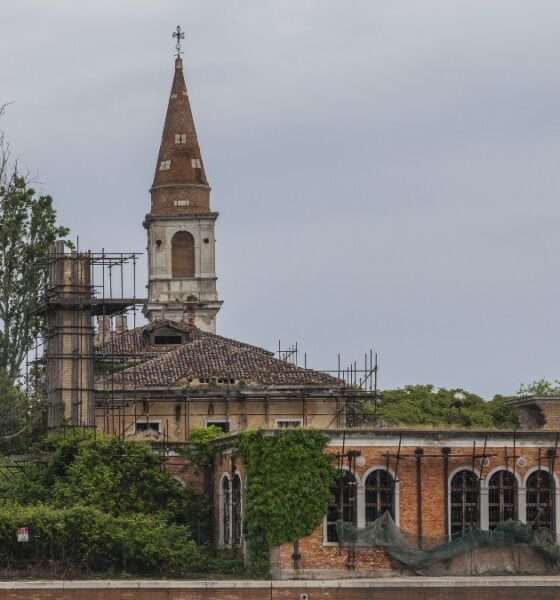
x=540 y=387
x=201 y=438
x=20 y=417
x=428 y=405
x=115 y=476
x=91 y=540
x=27 y=229
x=102 y=504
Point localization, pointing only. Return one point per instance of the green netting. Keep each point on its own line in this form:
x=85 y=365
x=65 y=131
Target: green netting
x=418 y=553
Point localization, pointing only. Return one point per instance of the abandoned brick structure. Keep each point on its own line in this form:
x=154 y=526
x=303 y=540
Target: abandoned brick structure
x=176 y=373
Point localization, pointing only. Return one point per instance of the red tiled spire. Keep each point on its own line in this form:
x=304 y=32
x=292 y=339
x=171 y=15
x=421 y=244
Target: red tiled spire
x=180 y=185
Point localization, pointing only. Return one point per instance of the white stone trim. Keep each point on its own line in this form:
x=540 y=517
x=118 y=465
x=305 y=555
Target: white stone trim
x=543 y=583
x=433 y=439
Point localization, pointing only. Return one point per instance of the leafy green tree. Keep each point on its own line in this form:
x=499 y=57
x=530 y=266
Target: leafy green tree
x=115 y=476
x=428 y=405
x=27 y=229
x=540 y=387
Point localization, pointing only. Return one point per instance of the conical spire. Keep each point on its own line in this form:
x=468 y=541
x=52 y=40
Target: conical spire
x=180 y=184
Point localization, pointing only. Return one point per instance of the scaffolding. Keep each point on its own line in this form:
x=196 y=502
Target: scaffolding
x=81 y=286
x=79 y=358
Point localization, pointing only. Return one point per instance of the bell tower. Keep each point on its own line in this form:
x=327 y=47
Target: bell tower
x=180 y=224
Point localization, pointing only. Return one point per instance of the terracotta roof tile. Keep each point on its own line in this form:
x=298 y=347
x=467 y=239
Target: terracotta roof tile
x=206 y=358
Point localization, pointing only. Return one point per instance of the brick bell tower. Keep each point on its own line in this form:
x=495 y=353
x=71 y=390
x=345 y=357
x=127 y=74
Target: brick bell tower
x=180 y=224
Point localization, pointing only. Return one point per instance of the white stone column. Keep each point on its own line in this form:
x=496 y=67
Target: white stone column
x=484 y=517
x=522 y=503
x=360 y=505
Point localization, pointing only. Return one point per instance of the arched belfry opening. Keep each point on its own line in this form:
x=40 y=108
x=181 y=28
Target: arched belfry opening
x=182 y=255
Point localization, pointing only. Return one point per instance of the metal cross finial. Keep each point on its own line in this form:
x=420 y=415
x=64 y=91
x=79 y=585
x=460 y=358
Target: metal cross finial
x=180 y=36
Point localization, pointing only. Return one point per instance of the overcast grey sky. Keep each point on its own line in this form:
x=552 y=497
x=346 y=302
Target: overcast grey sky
x=386 y=171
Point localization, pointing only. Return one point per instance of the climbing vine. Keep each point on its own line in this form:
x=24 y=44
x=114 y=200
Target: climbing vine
x=288 y=487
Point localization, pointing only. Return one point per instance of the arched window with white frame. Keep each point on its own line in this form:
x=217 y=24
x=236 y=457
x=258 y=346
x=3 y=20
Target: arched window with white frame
x=464 y=502
x=502 y=498
x=379 y=495
x=343 y=506
x=540 y=493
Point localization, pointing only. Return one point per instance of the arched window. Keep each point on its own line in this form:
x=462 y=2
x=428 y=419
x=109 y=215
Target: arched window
x=502 y=498
x=182 y=255
x=226 y=511
x=540 y=499
x=236 y=510
x=343 y=504
x=465 y=502
x=380 y=494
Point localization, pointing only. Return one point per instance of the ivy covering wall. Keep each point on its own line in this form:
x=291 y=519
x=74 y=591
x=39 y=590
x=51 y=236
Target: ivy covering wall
x=287 y=493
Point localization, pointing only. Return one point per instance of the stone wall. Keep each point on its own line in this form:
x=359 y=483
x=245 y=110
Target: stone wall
x=472 y=588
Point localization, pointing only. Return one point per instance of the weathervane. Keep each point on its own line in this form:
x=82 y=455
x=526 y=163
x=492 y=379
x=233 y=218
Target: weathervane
x=180 y=36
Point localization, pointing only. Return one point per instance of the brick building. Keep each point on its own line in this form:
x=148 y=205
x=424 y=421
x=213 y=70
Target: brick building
x=179 y=374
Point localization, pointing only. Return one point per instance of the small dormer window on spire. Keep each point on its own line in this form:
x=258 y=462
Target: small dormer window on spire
x=180 y=138
x=195 y=163
x=165 y=165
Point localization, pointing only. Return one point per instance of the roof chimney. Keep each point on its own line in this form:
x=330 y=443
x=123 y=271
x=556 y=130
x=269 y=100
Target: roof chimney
x=121 y=324
x=103 y=334
x=189 y=313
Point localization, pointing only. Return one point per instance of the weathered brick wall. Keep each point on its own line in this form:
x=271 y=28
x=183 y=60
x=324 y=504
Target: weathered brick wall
x=198 y=196
x=186 y=471
x=551 y=413
x=331 y=560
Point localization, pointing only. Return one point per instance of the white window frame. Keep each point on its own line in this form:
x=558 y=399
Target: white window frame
x=180 y=138
x=141 y=421
x=165 y=165
x=358 y=486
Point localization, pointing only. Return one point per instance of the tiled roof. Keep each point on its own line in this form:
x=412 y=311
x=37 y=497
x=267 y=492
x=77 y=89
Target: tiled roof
x=136 y=342
x=209 y=358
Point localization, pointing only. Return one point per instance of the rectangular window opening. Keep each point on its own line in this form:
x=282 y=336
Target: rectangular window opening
x=288 y=423
x=167 y=340
x=147 y=426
